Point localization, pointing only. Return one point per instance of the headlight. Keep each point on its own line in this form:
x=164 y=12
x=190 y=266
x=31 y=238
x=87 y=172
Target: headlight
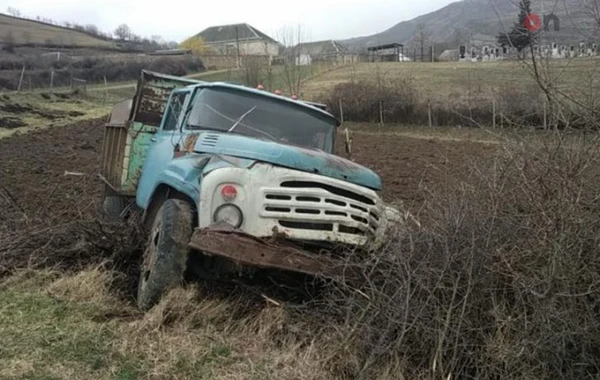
x=229 y=214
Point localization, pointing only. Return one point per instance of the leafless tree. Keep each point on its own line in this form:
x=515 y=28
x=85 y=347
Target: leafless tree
x=592 y=9
x=123 y=32
x=253 y=66
x=92 y=29
x=294 y=72
x=14 y=12
x=421 y=38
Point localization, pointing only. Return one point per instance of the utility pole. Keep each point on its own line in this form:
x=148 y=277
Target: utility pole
x=237 y=40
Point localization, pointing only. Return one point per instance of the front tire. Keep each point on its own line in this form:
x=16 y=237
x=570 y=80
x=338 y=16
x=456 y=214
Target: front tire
x=166 y=253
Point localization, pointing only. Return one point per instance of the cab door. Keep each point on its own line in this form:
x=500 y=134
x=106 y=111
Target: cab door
x=163 y=145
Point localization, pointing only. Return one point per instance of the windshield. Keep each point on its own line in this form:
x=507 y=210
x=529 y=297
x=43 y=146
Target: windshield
x=257 y=116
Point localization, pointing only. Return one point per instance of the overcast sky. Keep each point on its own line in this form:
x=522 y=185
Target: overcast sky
x=176 y=20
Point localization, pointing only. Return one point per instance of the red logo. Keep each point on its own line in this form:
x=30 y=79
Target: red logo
x=533 y=22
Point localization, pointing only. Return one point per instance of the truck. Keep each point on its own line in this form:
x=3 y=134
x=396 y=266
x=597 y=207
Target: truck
x=231 y=179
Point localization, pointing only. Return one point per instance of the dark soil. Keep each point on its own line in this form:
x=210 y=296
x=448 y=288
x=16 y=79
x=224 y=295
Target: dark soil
x=49 y=218
x=33 y=166
x=412 y=168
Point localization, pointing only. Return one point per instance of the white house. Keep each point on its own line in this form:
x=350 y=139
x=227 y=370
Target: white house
x=227 y=39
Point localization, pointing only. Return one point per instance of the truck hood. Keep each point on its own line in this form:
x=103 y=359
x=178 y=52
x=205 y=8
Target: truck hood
x=293 y=157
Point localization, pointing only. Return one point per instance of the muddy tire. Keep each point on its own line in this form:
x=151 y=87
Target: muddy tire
x=166 y=253
x=113 y=205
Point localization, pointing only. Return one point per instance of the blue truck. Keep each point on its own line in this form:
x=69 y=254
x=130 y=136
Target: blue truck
x=232 y=179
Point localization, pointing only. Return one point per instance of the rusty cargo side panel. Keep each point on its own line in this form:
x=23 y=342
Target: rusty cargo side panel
x=131 y=126
x=151 y=96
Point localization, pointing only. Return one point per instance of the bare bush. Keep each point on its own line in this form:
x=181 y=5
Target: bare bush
x=362 y=100
x=503 y=283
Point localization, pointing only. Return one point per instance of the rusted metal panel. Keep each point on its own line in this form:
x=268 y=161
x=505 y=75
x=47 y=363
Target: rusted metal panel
x=113 y=151
x=247 y=250
x=153 y=91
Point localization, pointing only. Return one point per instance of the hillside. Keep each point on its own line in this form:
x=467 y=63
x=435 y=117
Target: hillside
x=28 y=32
x=480 y=21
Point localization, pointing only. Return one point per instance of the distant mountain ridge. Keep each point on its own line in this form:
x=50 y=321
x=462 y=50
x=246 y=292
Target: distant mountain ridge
x=480 y=21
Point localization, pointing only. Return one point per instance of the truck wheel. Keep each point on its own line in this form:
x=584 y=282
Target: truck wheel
x=166 y=253
x=113 y=205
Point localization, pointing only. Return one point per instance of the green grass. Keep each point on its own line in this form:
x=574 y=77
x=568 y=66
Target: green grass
x=47 y=338
x=56 y=326
x=32 y=32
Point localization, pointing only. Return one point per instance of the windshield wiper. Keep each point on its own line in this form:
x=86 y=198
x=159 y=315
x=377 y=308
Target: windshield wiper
x=238 y=121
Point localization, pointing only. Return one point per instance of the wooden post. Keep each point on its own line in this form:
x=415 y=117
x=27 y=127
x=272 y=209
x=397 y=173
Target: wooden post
x=21 y=80
x=341 y=112
x=494 y=112
x=429 y=114
x=105 y=89
x=545 y=117
x=51 y=80
x=381 y=113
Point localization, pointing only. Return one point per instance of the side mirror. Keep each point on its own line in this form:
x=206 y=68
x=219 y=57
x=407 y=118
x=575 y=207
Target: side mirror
x=348 y=142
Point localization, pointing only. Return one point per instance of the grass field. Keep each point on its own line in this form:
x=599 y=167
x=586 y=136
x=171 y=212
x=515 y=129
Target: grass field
x=32 y=32
x=449 y=81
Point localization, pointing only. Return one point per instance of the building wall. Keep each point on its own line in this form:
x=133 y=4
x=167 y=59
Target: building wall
x=247 y=48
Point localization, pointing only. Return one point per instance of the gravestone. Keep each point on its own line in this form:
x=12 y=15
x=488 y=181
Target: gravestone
x=462 y=53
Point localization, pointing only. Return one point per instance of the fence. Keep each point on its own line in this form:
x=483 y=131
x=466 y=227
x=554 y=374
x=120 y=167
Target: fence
x=28 y=73
x=489 y=111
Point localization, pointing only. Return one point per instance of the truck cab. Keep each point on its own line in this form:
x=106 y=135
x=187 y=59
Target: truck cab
x=231 y=175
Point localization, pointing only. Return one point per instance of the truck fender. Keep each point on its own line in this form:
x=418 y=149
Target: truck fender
x=159 y=196
x=180 y=179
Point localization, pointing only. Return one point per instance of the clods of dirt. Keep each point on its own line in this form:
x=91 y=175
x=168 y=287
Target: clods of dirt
x=11 y=123
x=14 y=108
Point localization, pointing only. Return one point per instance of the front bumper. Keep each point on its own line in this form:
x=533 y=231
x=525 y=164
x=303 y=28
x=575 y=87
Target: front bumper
x=247 y=250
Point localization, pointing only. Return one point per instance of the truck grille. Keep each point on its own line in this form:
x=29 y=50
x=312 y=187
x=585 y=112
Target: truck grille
x=309 y=205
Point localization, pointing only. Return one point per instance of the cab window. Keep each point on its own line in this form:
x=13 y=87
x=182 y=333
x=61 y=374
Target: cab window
x=174 y=111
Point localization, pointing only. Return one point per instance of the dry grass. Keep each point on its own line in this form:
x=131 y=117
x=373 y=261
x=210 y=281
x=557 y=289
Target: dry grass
x=32 y=32
x=54 y=110
x=447 y=81
x=74 y=327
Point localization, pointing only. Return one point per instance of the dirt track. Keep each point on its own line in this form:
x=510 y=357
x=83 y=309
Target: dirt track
x=53 y=173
